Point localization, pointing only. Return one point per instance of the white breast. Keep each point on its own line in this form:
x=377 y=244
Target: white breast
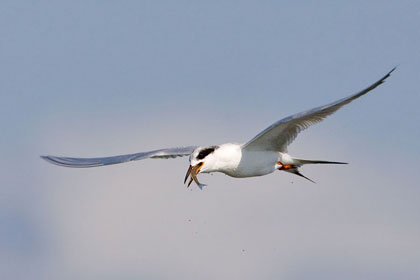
x=256 y=163
x=233 y=161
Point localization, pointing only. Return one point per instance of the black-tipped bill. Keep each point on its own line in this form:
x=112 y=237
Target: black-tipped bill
x=188 y=174
x=193 y=171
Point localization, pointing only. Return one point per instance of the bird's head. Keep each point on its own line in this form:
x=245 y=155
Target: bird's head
x=199 y=162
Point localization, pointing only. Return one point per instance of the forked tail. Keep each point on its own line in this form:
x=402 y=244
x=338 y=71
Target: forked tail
x=293 y=168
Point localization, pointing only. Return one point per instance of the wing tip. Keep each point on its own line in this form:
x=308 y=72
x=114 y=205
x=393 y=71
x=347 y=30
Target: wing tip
x=66 y=162
x=50 y=159
x=47 y=158
x=389 y=73
x=54 y=160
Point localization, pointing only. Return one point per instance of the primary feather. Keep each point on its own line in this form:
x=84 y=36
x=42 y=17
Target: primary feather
x=280 y=134
x=100 y=161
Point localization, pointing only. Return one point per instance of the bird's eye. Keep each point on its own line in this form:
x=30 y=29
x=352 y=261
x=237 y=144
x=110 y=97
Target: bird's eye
x=205 y=152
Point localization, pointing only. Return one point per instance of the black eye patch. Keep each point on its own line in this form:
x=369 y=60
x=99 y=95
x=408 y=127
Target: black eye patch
x=205 y=152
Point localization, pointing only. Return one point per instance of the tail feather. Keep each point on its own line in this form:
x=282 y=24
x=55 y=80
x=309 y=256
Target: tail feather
x=296 y=172
x=293 y=168
x=305 y=161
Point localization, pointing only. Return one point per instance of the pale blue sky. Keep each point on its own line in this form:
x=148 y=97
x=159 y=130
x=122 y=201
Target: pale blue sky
x=97 y=78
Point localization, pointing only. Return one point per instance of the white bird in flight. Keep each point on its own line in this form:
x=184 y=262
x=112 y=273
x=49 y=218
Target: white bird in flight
x=262 y=155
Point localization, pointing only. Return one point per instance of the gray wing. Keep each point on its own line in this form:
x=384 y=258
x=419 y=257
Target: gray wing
x=280 y=134
x=100 y=161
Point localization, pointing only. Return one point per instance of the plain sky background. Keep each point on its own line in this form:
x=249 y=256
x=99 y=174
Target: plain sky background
x=98 y=78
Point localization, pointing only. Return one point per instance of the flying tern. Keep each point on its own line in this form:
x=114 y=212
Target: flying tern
x=262 y=155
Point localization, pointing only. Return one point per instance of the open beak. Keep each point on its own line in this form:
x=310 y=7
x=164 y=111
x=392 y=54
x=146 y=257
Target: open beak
x=193 y=171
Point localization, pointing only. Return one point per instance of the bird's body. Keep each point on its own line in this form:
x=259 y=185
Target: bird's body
x=262 y=155
x=233 y=161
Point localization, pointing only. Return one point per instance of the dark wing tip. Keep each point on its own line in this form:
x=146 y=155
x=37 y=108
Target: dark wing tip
x=389 y=73
x=386 y=76
x=47 y=158
x=72 y=162
x=373 y=86
x=381 y=81
x=52 y=160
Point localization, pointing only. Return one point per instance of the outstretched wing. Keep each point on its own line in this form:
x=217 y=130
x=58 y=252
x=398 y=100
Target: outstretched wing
x=280 y=134
x=100 y=161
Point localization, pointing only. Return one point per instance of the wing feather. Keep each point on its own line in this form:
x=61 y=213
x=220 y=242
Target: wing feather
x=100 y=161
x=280 y=134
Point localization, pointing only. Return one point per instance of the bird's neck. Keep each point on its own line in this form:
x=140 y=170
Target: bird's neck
x=227 y=157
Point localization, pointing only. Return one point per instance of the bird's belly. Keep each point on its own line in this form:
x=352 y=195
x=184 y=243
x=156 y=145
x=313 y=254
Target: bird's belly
x=254 y=164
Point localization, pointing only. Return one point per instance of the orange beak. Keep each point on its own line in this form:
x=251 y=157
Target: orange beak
x=193 y=171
